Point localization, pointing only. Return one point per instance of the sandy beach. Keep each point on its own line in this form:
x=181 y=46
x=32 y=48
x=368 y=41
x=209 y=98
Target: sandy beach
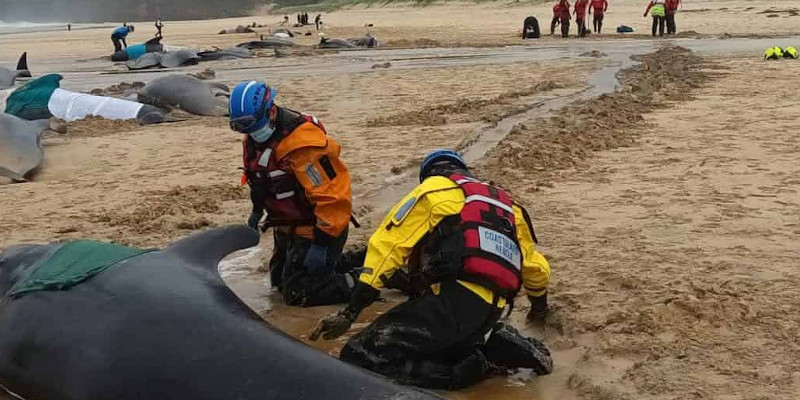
x=668 y=208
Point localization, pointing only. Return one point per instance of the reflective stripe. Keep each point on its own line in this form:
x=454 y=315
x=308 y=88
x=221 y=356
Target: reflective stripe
x=264 y=160
x=477 y=197
x=277 y=173
x=467 y=180
x=10 y=392
x=404 y=210
x=284 y=196
x=244 y=93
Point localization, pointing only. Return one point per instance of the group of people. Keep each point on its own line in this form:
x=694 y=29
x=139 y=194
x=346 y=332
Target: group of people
x=461 y=248
x=119 y=35
x=663 y=13
x=562 y=16
x=302 y=20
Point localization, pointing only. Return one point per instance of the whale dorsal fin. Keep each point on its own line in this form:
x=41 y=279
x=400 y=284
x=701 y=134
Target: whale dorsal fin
x=22 y=64
x=208 y=248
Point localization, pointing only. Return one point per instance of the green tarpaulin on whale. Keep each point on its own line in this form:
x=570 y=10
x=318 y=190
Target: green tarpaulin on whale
x=73 y=263
x=30 y=101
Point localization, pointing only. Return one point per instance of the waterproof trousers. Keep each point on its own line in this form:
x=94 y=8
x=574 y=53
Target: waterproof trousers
x=432 y=341
x=598 y=22
x=298 y=286
x=671 y=28
x=658 y=23
x=581 y=27
x=117 y=43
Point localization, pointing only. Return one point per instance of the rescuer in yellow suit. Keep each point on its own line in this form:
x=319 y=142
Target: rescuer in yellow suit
x=463 y=249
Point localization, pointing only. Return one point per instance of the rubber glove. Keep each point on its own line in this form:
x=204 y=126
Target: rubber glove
x=336 y=325
x=333 y=326
x=539 y=308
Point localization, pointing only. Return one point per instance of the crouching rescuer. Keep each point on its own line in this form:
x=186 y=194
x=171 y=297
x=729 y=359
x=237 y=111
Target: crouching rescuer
x=462 y=249
x=296 y=177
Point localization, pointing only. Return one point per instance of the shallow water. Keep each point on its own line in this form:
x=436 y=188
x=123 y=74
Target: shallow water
x=88 y=74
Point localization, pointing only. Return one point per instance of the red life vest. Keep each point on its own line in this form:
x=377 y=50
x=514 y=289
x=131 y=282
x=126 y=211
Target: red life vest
x=276 y=187
x=491 y=253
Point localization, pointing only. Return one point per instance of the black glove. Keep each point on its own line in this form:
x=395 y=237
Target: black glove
x=336 y=325
x=539 y=308
x=255 y=218
x=333 y=326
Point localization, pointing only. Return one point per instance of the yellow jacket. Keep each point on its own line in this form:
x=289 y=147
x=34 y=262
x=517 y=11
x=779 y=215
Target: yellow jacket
x=418 y=214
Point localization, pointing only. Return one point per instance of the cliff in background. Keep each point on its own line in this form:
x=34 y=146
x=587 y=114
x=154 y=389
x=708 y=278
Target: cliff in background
x=116 y=10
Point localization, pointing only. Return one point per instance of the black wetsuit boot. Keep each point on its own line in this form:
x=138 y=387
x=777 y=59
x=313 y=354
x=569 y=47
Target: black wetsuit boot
x=507 y=348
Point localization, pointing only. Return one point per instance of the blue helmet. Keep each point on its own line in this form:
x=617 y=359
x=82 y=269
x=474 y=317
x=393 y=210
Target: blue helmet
x=249 y=106
x=437 y=156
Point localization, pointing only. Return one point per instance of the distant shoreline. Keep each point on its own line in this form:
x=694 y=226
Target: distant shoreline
x=13 y=29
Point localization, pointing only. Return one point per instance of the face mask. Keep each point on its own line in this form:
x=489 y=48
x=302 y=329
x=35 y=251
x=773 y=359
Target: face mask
x=263 y=134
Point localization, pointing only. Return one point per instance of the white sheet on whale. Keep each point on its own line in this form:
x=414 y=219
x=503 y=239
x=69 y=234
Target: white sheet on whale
x=71 y=106
x=4 y=97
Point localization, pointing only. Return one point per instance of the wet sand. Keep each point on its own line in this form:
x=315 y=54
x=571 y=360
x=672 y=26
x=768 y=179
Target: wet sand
x=680 y=282
x=449 y=25
x=670 y=218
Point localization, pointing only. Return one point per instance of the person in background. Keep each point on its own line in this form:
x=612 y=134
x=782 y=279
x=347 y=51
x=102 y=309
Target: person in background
x=556 y=18
x=530 y=28
x=580 y=16
x=159 y=27
x=69 y=27
x=119 y=35
x=318 y=20
x=297 y=178
x=657 y=9
x=671 y=7
x=564 y=17
x=600 y=7
x=462 y=249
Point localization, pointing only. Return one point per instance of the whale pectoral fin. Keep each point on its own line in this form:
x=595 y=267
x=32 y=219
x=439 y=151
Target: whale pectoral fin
x=208 y=248
x=12 y=175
